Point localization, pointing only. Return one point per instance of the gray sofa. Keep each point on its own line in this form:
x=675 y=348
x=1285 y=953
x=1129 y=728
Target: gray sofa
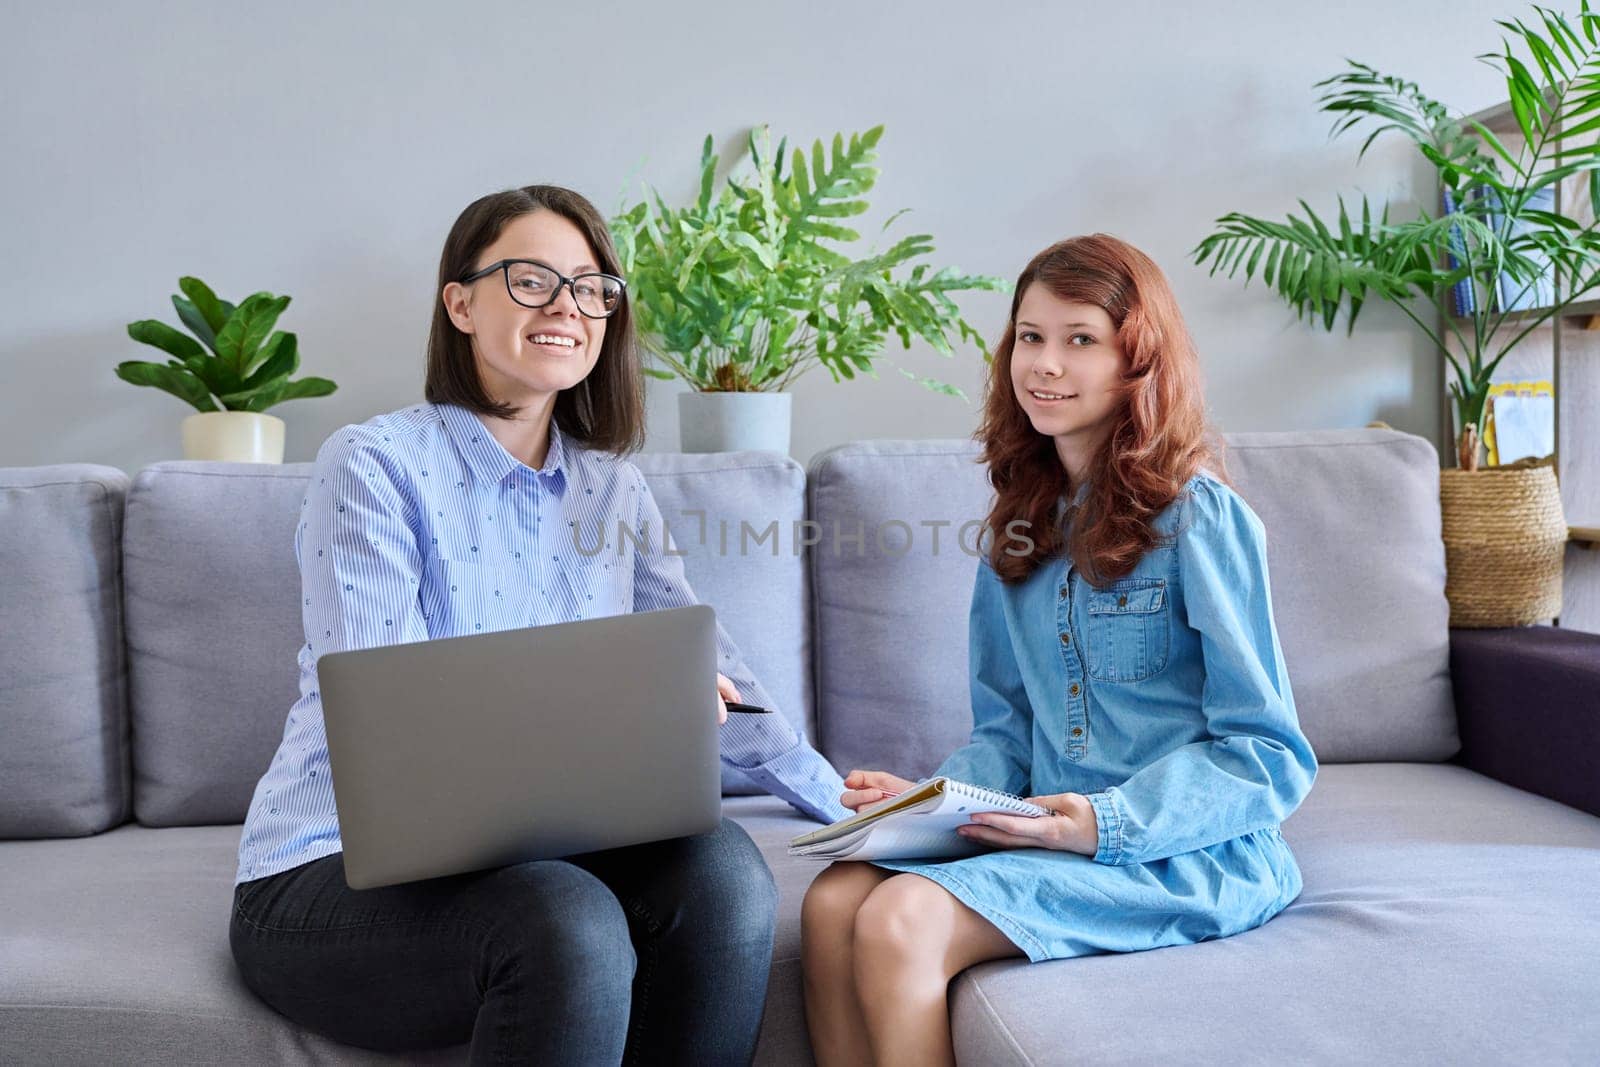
x=147 y=660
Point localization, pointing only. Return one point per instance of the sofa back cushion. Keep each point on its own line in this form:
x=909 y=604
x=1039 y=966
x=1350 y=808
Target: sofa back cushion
x=1357 y=565
x=214 y=625
x=892 y=582
x=213 y=619
x=1354 y=552
x=735 y=517
x=63 y=706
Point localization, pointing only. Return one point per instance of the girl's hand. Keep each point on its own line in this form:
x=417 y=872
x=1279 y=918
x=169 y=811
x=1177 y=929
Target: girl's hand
x=725 y=693
x=1071 y=829
x=869 y=787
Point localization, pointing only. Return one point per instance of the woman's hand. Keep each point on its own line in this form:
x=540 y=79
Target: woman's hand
x=869 y=787
x=725 y=693
x=1071 y=829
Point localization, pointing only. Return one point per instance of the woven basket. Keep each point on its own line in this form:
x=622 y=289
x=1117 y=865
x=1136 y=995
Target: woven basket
x=1504 y=544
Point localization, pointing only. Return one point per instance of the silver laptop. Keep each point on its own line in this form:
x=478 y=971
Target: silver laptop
x=466 y=753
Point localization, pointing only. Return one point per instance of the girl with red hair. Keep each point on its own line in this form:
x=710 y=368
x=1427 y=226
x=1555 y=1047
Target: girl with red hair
x=1125 y=672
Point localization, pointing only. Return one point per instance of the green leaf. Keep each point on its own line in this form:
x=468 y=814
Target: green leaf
x=281 y=359
x=756 y=248
x=164 y=337
x=217 y=375
x=256 y=400
x=305 y=388
x=215 y=312
x=1524 y=105
x=708 y=170
x=1560 y=33
x=240 y=338
x=799 y=179
x=180 y=383
x=191 y=317
x=1549 y=62
x=1494 y=142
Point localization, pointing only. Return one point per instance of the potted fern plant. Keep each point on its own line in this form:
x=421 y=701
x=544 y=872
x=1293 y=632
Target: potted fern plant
x=746 y=288
x=1503 y=528
x=244 y=368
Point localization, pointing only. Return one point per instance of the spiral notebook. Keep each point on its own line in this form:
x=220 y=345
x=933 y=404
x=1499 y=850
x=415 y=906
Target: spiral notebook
x=918 y=824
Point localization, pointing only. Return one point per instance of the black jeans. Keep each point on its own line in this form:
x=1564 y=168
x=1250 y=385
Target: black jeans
x=655 y=953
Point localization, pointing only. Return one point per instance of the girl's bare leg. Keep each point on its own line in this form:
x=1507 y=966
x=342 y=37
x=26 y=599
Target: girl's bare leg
x=911 y=938
x=827 y=936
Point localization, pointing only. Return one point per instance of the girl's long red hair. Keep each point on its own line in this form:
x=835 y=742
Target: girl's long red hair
x=1159 y=436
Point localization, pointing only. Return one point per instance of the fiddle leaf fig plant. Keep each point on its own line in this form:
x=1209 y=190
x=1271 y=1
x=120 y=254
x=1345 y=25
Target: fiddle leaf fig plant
x=238 y=363
x=747 y=287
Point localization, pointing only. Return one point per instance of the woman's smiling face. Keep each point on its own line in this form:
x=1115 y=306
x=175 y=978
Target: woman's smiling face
x=525 y=354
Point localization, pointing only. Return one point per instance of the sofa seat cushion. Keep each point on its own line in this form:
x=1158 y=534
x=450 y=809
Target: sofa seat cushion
x=1445 y=918
x=114 y=948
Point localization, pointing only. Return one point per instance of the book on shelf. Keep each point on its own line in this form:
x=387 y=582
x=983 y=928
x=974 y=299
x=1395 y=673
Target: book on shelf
x=1521 y=422
x=1512 y=294
x=1466 y=300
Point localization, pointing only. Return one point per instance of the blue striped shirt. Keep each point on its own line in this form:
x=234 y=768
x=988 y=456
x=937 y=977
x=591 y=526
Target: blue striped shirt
x=419 y=524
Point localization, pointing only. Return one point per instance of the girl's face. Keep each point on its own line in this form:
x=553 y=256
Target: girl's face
x=1065 y=364
x=525 y=354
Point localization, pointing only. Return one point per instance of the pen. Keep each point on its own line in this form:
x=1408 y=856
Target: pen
x=747 y=709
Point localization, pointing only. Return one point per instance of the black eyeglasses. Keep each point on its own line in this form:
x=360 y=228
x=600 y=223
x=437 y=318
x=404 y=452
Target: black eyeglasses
x=534 y=285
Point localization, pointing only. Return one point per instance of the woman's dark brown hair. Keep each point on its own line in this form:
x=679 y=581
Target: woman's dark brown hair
x=1159 y=437
x=604 y=411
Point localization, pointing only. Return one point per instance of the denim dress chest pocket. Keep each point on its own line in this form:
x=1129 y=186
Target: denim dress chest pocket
x=1128 y=629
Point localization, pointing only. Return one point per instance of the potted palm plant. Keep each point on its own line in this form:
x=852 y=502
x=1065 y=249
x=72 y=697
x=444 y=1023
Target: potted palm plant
x=243 y=369
x=1503 y=528
x=746 y=288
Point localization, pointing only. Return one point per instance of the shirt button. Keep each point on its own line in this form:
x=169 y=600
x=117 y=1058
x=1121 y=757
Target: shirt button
x=1122 y=601
x=1077 y=731
x=1065 y=592
x=1066 y=639
x=1073 y=689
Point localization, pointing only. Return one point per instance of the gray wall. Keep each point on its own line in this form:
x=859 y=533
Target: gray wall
x=323 y=152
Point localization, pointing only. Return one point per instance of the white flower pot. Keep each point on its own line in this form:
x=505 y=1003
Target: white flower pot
x=733 y=422
x=233 y=436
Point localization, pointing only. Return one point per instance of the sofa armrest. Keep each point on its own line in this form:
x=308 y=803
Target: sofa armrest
x=1528 y=705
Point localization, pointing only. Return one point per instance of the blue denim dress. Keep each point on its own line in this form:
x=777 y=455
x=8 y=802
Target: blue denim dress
x=1165 y=700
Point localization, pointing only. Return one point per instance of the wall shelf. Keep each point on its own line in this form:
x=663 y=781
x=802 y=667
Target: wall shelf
x=1565 y=350
x=1576 y=314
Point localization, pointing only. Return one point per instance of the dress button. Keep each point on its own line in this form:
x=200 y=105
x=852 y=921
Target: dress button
x=1077 y=731
x=1074 y=689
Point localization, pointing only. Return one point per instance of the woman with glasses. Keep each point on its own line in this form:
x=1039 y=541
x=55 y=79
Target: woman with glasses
x=414 y=524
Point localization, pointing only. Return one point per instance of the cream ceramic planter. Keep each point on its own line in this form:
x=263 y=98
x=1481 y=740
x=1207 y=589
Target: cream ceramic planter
x=233 y=437
x=733 y=422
